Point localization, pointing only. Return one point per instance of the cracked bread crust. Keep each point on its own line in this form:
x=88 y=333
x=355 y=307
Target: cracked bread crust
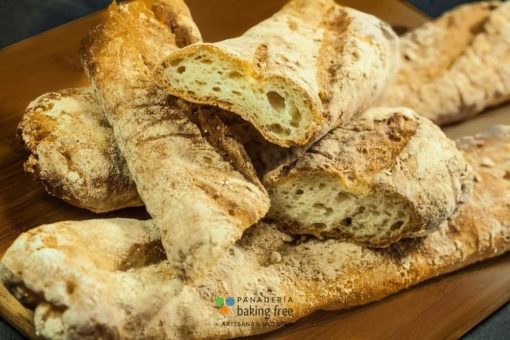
x=295 y=76
x=195 y=180
x=68 y=120
x=120 y=285
x=456 y=66
x=387 y=174
x=73 y=153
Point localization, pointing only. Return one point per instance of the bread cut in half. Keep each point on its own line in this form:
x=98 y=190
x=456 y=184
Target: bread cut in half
x=193 y=176
x=456 y=66
x=294 y=76
x=386 y=175
x=120 y=285
x=73 y=154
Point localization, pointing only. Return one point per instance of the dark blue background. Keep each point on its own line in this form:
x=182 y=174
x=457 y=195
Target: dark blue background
x=20 y=19
x=434 y=8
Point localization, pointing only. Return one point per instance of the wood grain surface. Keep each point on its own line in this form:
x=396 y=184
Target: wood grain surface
x=446 y=307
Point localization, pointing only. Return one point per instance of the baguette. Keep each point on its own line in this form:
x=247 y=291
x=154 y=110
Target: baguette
x=120 y=285
x=294 y=76
x=73 y=154
x=195 y=179
x=386 y=175
x=461 y=60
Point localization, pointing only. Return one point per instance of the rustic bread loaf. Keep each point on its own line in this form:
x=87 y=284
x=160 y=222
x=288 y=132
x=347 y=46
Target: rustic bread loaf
x=455 y=67
x=383 y=176
x=193 y=176
x=294 y=76
x=73 y=153
x=119 y=285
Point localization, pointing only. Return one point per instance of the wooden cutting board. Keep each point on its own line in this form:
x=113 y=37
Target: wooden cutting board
x=445 y=307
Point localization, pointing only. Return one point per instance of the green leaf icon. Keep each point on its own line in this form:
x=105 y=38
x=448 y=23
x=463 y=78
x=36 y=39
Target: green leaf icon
x=219 y=301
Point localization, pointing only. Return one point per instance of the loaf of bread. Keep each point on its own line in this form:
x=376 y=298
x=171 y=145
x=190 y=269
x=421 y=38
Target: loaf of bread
x=195 y=179
x=120 y=285
x=73 y=154
x=294 y=76
x=456 y=66
x=385 y=175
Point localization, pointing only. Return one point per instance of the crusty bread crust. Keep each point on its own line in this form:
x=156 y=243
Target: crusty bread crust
x=456 y=66
x=120 y=285
x=385 y=175
x=70 y=124
x=73 y=153
x=176 y=16
x=193 y=176
x=310 y=67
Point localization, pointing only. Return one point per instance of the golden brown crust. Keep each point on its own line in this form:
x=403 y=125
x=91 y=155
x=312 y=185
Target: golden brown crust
x=328 y=61
x=196 y=183
x=73 y=153
x=389 y=162
x=72 y=119
x=176 y=15
x=456 y=66
x=96 y=292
